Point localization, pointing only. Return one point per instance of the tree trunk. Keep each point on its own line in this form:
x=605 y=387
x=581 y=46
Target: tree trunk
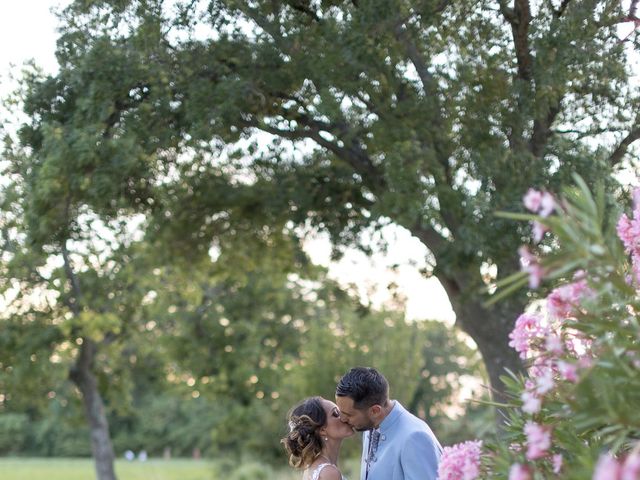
x=81 y=374
x=489 y=327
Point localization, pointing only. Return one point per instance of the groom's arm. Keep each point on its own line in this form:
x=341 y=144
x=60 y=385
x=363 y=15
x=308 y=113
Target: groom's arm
x=419 y=457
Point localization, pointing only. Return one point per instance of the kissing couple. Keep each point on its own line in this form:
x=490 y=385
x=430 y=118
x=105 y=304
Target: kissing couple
x=396 y=445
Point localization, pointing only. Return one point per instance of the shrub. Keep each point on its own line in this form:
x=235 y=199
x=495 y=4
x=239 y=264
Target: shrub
x=252 y=471
x=574 y=416
x=13 y=432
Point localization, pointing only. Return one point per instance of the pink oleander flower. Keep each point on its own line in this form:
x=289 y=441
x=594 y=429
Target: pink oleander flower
x=629 y=232
x=531 y=403
x=539 y=202
x=532 y=200
x=526 y=257
x=531 y=265
x=519 y=472
x=585 y=361
x=631 y=466
x=577 y=344
x=562 y=301
x=607 y=468
x=544 y=378
x=538 y=229
x=460 y=461
x=557 y=463
x=537 y=369
x=635 y=195
x=536 y=274
x=635 y=267
x=527 y=329
x=554 y=344
x=547 y=204
x=538 y=440
x=568 y=371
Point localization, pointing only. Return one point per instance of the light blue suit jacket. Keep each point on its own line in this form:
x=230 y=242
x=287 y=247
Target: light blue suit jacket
x=407 y=449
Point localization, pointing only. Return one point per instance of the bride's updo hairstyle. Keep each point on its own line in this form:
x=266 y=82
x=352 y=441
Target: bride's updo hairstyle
x=303 y=443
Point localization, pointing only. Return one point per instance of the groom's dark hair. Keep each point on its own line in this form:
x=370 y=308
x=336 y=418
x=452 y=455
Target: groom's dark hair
x=365 y=386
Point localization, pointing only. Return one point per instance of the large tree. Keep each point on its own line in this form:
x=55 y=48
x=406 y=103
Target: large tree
x=345 y=115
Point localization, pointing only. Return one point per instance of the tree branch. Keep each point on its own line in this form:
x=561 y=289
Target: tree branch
x=542 y=131
x=299 y=6
x=74 y=303
x=520 y=32
x=619 y=153
x=401 y=34
x=560 y=11
x=507 y=12
x=584 y=133
x=351 y=152
x=519 y=17
x=427 y=235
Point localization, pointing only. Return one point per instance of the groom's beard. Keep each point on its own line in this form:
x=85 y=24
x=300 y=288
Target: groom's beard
x=364 y=428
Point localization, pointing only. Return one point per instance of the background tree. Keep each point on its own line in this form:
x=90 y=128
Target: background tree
x=429 y=114
x=81 y=271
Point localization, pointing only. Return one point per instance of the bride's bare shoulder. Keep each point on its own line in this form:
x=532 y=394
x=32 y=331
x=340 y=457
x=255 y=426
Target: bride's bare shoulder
x=330 y=472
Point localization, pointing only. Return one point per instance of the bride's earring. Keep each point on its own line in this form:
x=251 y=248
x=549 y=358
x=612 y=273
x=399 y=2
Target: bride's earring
x=326 y=438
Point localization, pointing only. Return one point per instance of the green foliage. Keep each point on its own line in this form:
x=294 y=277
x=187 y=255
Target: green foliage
x=234 y=116
x=251 y=471
x=13 y=427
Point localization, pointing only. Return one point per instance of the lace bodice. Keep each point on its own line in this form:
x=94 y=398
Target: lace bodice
x=316 y=472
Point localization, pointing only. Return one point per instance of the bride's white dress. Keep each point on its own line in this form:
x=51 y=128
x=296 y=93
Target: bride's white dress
x=316 y=472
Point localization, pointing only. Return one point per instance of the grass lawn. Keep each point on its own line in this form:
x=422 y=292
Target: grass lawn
x=15 y=468
x=82 y=469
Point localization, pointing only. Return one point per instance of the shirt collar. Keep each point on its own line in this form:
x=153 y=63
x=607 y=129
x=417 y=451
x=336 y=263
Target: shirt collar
x=392 y=417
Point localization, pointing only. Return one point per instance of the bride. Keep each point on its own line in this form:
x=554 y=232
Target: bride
x=315 y=435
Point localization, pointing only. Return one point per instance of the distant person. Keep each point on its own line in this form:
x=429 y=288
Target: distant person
x=142 y=456
x=396 y=444
x=129 y=455
x=314 y=439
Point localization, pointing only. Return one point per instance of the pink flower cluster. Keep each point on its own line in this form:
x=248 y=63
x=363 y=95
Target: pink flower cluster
x=527 y=330
x=530 y=264
x=629 y=232
x=609 y=468
x=562 y=302
x=523 y=472
x=460 y=461
x=555 y=352
x=541 y=203
x=519 y=472
x=538 y=440
x=546 y=341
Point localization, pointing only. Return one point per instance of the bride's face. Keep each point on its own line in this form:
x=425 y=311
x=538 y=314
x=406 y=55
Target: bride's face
x=335 y=428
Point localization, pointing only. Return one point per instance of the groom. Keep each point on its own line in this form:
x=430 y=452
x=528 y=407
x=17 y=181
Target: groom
x=396 y=445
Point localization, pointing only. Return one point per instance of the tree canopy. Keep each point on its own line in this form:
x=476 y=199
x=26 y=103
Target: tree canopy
x=338 y=116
